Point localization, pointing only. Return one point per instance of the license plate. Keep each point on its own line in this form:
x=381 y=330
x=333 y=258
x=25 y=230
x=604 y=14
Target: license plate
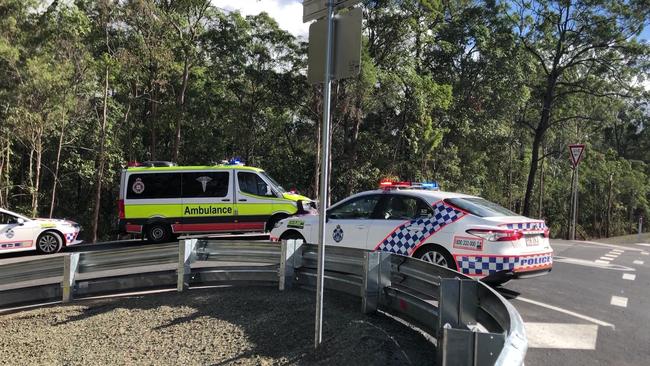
x=533 y=241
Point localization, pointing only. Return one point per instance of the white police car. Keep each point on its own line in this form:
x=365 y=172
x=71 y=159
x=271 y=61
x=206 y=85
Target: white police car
x=466 y=233
x=47 y=236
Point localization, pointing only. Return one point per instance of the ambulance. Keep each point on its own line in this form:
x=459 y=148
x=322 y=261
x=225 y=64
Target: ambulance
x=160 y=200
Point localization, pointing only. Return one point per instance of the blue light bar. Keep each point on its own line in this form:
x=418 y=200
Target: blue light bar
x=233 y=161
x=427 y=185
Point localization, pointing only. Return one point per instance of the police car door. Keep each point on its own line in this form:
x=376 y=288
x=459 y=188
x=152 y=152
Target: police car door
x=348 y=222
x=401 y=224
x=15 y=235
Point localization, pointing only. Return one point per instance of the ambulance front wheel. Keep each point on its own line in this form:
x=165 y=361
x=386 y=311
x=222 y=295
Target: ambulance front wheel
x=158 y=233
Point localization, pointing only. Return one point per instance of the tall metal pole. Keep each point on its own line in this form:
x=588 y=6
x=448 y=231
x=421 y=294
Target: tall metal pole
x=324 y=176
x=575 y=205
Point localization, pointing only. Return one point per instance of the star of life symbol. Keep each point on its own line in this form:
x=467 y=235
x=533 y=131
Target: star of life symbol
x=138 y=186
x=9 y=234
x=337 y=235
x=204 y=182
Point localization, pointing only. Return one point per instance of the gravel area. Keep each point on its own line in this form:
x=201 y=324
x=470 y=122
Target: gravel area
x=218 y=326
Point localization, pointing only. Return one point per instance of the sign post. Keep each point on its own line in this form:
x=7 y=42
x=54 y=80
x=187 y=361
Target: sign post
x=346 y=64
x=638 y=237
x=576 y=152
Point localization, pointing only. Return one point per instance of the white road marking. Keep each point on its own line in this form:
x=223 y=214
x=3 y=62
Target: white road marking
x=629 y=276
x=643 y=244
x=586 y=263
x=644 y=253
x=561 y=335
x=619 y=301
x=613 y=246
x=613 y=254
x=617 y=251
x=607 y=258
x=565 y=311
x=638 y=262
x=600 y=261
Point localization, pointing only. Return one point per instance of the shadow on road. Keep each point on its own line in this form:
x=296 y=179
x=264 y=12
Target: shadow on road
x=507 y=293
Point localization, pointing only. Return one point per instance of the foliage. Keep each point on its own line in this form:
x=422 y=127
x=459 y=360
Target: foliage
x=482 y=96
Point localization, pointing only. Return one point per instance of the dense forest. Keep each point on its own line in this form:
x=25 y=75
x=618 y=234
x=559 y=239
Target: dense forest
x=483 y=96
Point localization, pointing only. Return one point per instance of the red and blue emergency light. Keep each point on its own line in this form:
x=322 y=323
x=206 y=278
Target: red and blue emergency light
x=389 y=184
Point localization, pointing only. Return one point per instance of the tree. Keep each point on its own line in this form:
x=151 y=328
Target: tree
x=583 y=48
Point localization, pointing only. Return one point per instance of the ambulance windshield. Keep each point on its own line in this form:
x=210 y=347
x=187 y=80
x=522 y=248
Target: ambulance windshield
x=273 y=182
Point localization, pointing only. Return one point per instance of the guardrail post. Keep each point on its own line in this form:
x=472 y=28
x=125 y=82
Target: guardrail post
x=290 y=259
x=376 y=276
x=458 y=302
x=70 y=265
x=186 y=255
x=462 y=347
x=458 y=343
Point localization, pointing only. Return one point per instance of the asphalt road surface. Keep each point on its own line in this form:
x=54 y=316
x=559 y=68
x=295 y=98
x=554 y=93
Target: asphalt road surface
x=592 y=309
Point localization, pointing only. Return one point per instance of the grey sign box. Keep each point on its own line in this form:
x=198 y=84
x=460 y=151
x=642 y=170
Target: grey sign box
x=317 y=9
x=347 y=47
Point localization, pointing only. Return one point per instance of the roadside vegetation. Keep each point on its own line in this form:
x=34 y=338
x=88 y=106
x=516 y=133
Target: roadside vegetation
x=481 y=96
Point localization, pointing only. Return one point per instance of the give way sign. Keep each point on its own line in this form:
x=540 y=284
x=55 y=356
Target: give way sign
x=576 y=151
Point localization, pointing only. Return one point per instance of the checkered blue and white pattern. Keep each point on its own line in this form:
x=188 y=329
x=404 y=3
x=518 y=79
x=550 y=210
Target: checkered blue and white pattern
x=527 y=226
x=69 y=237
x=403 y=241
x=478 y=265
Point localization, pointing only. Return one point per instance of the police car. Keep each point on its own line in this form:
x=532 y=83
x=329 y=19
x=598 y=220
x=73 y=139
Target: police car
x=19 y=233
x=465 y=233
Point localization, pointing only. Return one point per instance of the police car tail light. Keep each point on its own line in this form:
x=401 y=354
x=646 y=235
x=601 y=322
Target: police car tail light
x=496 y=235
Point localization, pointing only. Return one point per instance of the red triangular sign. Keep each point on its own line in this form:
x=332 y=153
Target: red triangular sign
x=576 y=152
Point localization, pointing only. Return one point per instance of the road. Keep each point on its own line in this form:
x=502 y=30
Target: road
x=592 y=309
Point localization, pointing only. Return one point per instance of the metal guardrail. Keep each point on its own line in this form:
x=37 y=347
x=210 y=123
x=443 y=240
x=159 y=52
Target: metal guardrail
x=472 y=324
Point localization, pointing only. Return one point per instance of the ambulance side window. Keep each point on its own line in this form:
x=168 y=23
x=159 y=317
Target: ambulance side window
x=252 y=183
x=205 y=184
x=154 y=185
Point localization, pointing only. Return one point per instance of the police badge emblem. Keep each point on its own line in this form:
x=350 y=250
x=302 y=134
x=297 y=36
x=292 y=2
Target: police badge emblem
x=337 y=235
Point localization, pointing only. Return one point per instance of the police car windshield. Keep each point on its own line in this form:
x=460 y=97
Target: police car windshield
x=480 y=207
x=275 y=184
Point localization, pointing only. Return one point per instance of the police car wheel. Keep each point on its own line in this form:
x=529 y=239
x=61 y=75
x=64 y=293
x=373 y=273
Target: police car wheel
x=49 y=243
x=270 y=224
x=292 y=235
x=436 y=256
x=158 y=233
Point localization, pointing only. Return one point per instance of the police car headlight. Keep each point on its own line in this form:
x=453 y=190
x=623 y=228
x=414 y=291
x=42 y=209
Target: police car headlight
x=306 y=205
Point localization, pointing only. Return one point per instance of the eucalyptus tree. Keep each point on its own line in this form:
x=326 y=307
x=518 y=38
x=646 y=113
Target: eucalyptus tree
x=582 y=47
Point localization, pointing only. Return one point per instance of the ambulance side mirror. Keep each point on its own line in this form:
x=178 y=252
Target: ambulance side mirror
x=20 y=221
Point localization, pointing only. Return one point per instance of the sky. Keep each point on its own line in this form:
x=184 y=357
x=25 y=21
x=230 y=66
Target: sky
x=288 y=13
